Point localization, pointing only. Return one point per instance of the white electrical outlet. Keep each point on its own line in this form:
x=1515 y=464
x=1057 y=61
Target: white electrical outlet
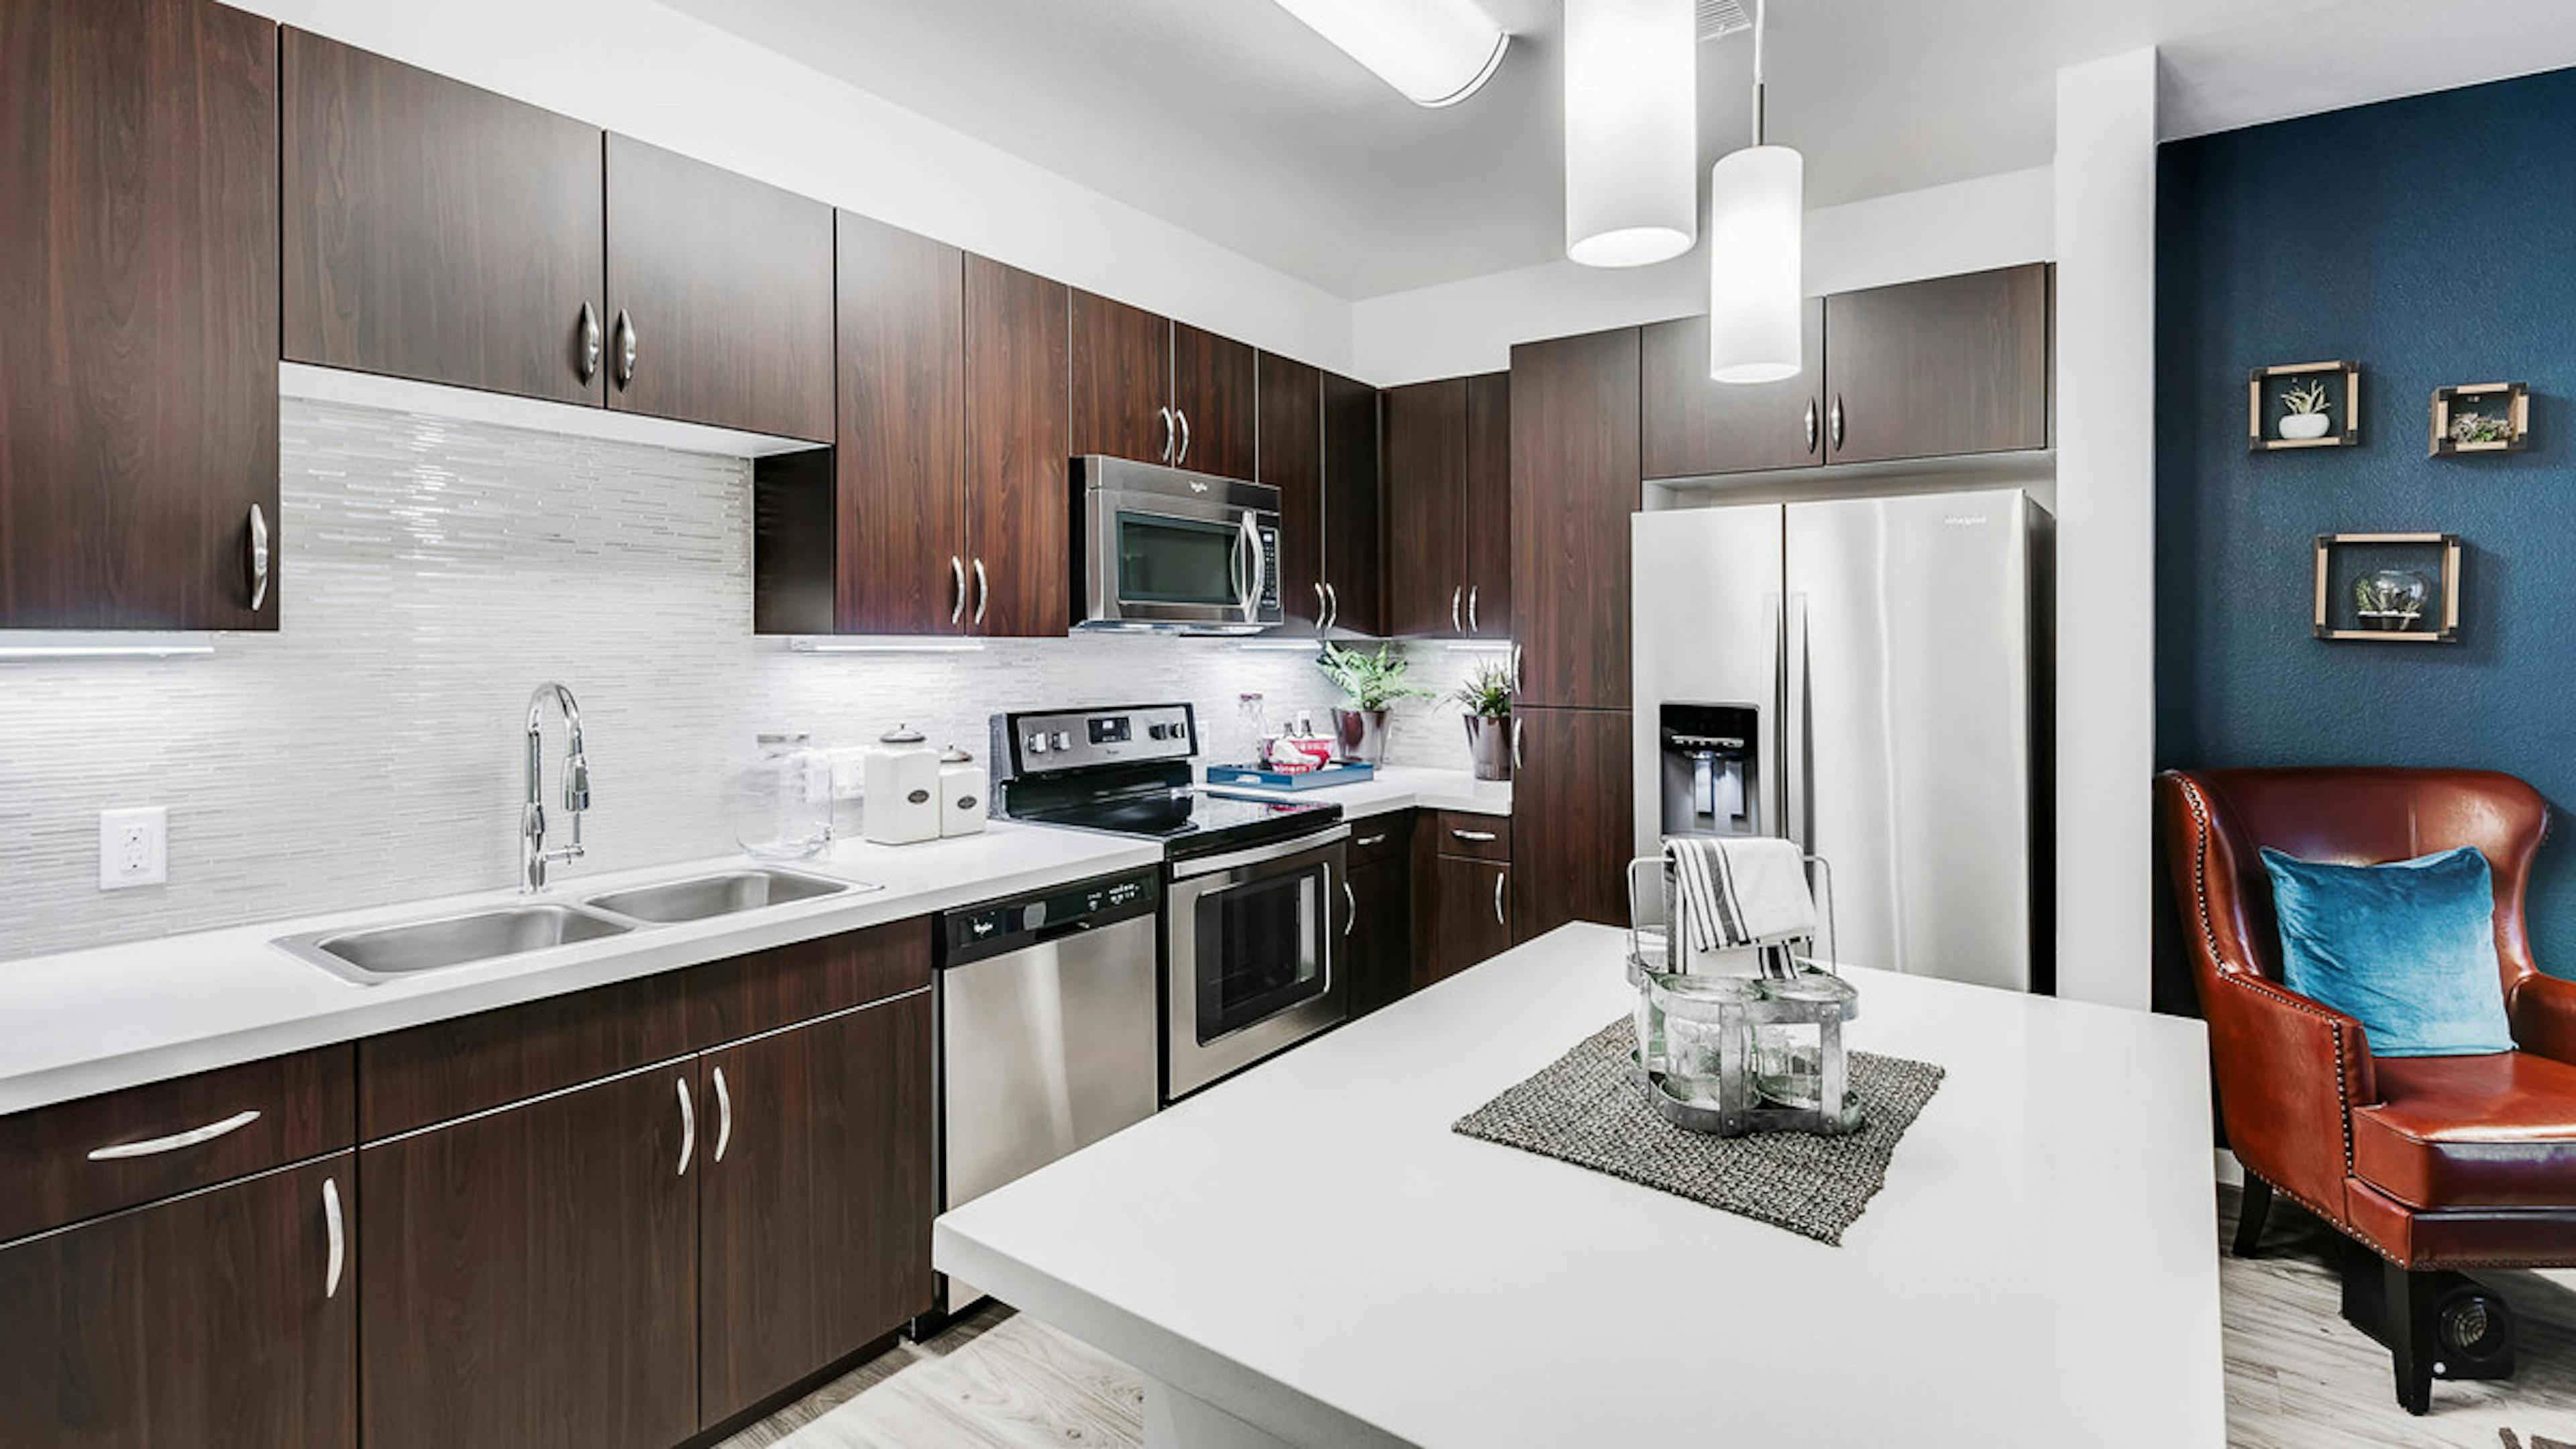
x=133 y=847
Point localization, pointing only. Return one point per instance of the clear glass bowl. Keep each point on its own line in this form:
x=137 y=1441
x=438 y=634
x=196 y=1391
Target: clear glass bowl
x=780 y=806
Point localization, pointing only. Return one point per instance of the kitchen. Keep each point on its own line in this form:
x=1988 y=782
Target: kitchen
x=680 y=727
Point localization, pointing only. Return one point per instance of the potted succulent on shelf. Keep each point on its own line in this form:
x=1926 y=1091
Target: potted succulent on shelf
x=2305 y=415
x=1373 y=682
x=1486 y=698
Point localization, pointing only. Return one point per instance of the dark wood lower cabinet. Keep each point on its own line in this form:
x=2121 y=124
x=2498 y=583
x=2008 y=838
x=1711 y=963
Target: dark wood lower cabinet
x=1462 y=915
x=1572 y=831
x=815 y=1198
x=1380 y=940
x=205 y=1322
x=531 y=1274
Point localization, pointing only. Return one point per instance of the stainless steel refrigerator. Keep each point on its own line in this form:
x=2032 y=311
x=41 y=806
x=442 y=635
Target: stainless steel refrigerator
x=1869 y=677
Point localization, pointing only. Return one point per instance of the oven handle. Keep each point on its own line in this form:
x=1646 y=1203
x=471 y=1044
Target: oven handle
x=1255 y=855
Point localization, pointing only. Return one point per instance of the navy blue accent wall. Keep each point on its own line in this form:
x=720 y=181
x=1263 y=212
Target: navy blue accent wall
x=2434 y=240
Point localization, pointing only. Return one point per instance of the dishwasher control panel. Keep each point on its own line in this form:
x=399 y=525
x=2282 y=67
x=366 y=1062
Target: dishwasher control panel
x=972 y=933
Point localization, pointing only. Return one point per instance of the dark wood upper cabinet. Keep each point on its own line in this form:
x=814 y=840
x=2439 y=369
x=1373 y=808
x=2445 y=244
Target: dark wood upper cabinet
x=209 y=1321
x=1018 y=480
x=530 y=1274
x=1121 y=381
x=1354 y=578
x=719 y=296
x=1696 y=426
x=899 y=520
x=1575 y=481
x=1572 y=826
x=1931 y=369
x=437 y=231
x=815 y=1198
x=1486 y=527
x=1290 y=458
x=1425 y=491
x=1214 y=389
x=138 y=276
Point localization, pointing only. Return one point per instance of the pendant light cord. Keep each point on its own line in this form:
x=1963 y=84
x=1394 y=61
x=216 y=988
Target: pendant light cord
x=1757 y=72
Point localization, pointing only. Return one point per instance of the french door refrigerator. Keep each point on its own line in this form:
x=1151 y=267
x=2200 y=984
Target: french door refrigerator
x=1870 y=678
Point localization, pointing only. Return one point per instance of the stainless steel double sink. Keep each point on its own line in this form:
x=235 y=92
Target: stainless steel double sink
x=390 y=953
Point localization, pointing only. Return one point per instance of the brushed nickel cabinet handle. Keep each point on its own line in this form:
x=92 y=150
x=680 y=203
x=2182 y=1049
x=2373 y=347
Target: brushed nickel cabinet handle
x=155 y=1146
x=1473 y=837
x=339 y=1239
x=1332 y=607
x=1350 y=898
x=1516 y=746
x=258 y=557
x=1811 y=425
x=1184 y=455
x=983 y=592
x=628 y=347
x=1323 y=615
x=957 y=566
x=1471 y=608
x=1456 y=596
x=724 y=1116
x=1837 y=420
x=1370 y=842
x=1516 y=669
x=589 y=341
x=1171 y=434
x=1500 y=877
x=688 y=1126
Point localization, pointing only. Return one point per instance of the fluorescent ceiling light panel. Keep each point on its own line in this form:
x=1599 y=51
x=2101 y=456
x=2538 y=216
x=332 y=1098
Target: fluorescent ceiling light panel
x=1631 y=131
x=1437 y=52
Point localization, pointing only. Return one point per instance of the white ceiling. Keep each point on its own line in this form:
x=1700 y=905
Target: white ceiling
x=1231 y=119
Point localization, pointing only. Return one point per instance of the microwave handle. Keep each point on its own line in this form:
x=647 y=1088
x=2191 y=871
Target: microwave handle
x=1249 y=567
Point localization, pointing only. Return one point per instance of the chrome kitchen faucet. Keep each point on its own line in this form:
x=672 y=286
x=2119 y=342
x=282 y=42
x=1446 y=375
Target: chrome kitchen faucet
x=533 y=855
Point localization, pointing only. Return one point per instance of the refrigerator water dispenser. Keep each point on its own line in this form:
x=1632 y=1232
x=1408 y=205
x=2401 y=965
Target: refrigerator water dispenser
x=1712 y=774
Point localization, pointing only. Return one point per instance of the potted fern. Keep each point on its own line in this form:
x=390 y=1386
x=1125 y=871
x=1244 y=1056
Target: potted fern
x=1373 y=683
x=1486 y=699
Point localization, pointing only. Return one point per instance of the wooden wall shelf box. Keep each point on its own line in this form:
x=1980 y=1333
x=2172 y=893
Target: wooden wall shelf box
x=2446 y=603
x=2261 y=391
x=2452 y=403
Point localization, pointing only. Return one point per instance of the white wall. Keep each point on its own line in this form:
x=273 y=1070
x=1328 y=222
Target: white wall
x=1470 y=326
x=660 y=76
x=2106 y=462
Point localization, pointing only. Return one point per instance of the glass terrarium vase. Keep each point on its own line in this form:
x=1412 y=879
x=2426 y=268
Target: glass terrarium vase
x=2391 y=600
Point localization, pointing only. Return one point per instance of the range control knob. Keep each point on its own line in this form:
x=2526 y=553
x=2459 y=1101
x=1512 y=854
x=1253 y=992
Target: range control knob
x=1063 y=740
x=1037 y=743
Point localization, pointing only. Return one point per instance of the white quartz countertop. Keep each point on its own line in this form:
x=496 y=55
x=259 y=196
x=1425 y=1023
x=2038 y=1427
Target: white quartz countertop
x=1310 y=1250
x=1396 y=787
x=94 y=1021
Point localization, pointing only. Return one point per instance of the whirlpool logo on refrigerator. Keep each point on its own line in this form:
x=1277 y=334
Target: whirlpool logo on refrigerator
x=1963 y=520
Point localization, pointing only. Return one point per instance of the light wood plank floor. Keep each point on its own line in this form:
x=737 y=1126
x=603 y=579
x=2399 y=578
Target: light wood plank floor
x=2298 y=1377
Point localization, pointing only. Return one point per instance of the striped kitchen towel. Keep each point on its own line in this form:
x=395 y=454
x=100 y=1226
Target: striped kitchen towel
x=1741 y=890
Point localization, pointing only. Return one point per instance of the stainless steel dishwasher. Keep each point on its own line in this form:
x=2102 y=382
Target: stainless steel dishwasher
x=1048 y=1033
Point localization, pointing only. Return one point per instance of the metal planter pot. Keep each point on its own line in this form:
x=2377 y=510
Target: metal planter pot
x=1489 y=747
x=1359 y=735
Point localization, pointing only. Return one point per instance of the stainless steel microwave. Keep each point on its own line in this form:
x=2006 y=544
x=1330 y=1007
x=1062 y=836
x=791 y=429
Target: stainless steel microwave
x=1160 y=548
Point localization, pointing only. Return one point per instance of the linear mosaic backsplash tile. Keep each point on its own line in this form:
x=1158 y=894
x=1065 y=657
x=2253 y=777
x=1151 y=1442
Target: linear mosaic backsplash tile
x=433 y=573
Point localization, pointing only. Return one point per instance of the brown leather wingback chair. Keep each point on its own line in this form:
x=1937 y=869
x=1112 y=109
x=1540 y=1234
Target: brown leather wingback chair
x=2430 y=1162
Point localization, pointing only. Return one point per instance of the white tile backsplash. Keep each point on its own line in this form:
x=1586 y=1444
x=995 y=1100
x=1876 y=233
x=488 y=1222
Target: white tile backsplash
x=432 y=574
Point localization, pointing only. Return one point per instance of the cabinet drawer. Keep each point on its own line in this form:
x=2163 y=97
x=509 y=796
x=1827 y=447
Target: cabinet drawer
x=766 y=990
x=1377 y=839
x=449 y=1069
x=1475 y=837
x=79 y=1159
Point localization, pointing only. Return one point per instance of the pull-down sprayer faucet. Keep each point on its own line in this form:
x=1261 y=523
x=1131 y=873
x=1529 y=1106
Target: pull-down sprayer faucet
x=533 y=854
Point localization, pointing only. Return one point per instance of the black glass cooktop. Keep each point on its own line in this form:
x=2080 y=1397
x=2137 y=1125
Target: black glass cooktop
x=1190 y=823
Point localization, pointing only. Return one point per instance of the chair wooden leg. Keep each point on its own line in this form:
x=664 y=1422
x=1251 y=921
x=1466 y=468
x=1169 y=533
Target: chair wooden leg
x=2413 y=1343
x=2255 y=1206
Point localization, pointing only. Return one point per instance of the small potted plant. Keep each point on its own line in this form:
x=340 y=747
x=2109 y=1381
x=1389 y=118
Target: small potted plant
x=2304 y=416
x=1486 y=698
x=1373 y=682
x=2391 y=599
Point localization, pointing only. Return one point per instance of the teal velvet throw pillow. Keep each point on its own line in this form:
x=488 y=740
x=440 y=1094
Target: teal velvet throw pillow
x=2407 y=949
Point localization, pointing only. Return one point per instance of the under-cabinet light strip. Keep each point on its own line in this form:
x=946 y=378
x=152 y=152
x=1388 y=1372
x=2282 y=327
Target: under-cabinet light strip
x=29 y=645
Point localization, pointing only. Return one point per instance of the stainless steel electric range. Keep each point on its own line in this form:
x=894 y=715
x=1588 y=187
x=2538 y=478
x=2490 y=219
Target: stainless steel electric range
x=1256 y=895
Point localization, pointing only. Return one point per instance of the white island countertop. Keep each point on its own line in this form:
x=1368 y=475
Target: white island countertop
x=1308 y=1254
x=1394 y=787
x=84 y=1022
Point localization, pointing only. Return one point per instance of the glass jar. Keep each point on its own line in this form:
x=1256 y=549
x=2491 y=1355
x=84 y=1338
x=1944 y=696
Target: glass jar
x=780 y=806
x=1789 y=1056
x=1688 y=1027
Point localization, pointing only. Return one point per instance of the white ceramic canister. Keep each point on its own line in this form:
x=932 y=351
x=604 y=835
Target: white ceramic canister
x=962 y=784
x=902 y=797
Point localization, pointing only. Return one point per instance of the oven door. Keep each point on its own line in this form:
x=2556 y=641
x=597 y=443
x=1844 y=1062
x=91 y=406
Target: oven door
x=1156 y=559
x=1253 y=941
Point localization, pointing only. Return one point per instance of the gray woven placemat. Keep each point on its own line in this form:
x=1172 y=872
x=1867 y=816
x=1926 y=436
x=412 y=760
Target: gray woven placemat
x=1584 y=1109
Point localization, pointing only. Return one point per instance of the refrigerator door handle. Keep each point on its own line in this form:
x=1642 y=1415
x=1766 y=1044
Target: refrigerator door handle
x=1771 y=755
x=1796 y=730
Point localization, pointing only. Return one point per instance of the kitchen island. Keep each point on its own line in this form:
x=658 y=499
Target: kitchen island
x=1307 y=1254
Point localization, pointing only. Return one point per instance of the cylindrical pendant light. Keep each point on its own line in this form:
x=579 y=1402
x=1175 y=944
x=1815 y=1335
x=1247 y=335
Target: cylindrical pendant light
x=1437 y=52
x=1631 y=131
x=1756 y=271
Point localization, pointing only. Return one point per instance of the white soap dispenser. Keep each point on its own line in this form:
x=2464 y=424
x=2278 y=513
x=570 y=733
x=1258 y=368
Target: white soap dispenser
x=961 y=793
x=902 y=798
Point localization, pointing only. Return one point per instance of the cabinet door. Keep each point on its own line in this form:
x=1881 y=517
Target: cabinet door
x=138 y=277
x=1464 y=910
x=719 y=296
x=1018 y=487
x=437 y=231
x=1290 y=457
x=1425 y=489
x=1379 y=936
x=1574 y=482
x=1572 y=831
x=210 y=1321
x=900 y=518
x=1695 y=426
x=1486 y=520
x=1352 y=571
x=531 y=1274
x=815 y=1199
x=1122 y=381
x=1215 y=388
x=1930 y=369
